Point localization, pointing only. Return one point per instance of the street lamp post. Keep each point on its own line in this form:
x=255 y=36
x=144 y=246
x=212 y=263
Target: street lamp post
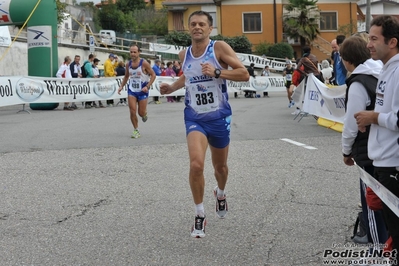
x=368 y=15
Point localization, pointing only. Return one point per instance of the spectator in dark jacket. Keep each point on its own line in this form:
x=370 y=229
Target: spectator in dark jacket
x=120 y=71
x=251 y=70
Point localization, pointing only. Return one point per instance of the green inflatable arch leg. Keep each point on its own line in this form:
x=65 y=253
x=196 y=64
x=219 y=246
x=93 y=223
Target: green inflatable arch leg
x=42 y=36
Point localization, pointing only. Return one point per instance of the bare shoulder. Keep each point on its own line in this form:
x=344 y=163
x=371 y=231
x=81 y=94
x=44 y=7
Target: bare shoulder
x=182 y=55
x=145 y=63
x=226 y=55
x=222 y=46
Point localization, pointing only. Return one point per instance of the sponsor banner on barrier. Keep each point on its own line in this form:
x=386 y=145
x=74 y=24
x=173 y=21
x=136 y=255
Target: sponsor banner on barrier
x=274 y=83
x=246 y=59
x=26 y=89
x=318 y=99
x=261 y=62
x=156 y=91
x=23 y=89
x=382 y=192
x=166 y=48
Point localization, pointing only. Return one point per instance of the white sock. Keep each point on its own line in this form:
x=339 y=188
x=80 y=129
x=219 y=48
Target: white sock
x=199 y=209
x=220 y=193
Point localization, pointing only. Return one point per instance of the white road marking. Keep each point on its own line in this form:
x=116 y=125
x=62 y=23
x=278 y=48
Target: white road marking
x=299 y=144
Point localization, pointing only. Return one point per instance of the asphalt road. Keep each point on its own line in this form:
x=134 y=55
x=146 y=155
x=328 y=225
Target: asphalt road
x=77 y=190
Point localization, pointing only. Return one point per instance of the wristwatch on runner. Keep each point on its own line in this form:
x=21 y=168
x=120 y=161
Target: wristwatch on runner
x=217 y=73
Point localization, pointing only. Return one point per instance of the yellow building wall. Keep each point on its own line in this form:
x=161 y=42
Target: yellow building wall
x=231 y=22
x=346 y=13
x=186 y=14
x=158 y=4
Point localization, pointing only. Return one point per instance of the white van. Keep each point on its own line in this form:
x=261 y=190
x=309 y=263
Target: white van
x=108 y=37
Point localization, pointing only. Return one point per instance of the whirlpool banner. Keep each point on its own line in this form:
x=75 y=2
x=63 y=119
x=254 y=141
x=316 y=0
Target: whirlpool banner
x=26 y=89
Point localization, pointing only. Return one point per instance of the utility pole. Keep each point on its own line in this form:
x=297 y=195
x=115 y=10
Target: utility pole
x=368 y=15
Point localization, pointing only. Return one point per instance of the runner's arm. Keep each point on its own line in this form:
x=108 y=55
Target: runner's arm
x=227 y=57
x=151 y=72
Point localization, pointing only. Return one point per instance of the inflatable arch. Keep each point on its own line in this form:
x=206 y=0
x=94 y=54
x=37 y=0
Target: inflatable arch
x=41 y=33
x=41 y=29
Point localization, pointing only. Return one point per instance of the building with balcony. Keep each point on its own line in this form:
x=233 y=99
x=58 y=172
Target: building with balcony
x=262 y=20
x=379 y=7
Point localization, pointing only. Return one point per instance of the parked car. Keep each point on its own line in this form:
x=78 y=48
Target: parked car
x=108 y=37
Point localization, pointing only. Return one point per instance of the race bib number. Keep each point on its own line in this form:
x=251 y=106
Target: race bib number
x=135 y=85
x=204 y=100
x=288 y=77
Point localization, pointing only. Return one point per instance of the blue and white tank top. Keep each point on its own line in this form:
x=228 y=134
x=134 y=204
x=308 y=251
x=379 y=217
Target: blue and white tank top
x=288 y=73
x=206 y=97
x=137 y=78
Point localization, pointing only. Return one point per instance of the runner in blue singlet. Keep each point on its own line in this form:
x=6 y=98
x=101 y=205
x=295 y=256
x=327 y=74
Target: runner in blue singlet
x=140 y=76
x=206 y=67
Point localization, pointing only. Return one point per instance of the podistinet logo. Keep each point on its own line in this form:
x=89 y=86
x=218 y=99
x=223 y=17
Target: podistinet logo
x=104 y=89
x=29 y=90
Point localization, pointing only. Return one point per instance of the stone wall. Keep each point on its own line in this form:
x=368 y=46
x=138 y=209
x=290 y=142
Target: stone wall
x=15 y=61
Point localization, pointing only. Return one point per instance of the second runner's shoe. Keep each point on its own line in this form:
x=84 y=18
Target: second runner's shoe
x=136 y=134
x=221 y=204
x=144 y=118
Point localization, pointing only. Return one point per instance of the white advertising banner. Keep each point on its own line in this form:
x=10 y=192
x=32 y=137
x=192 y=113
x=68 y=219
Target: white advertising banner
x=275 y=83
x=261 y=62
x=26 y=89
x=246 y=59
x=5 y=38
x=166 y=48
x=156 y=91
x=320 y=100
x=23 y=89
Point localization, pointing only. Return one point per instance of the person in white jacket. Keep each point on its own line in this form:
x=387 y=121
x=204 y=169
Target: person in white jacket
x=360 y=95
x=65 y=72
x=383 y=147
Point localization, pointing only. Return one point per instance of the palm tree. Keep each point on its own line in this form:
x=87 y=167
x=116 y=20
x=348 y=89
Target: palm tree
x=302 y=20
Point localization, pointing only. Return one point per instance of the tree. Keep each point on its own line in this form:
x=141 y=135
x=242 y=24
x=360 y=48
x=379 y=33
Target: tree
x=130 y=5
x=280 y=50
x=111 y=18
x=133 y=16
x=240 y=44
x=179 y=38
x=61 y=10
x=262 y=48
x=348 y=29
x=85 y=4
x=151 y=21
x=301 y=20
